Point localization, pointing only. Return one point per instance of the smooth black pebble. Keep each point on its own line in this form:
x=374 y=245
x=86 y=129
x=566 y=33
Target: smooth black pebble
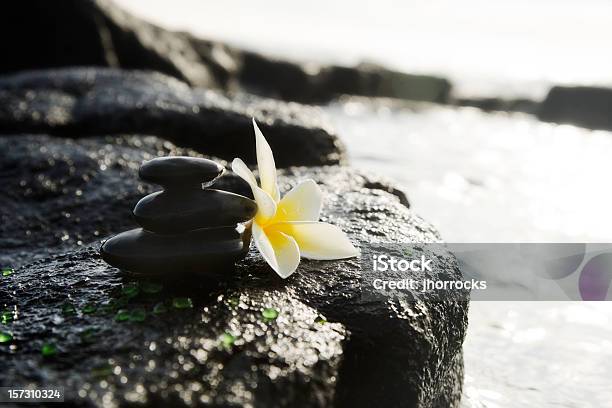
x=210 y=252
x=168 y=212
x=180 y=171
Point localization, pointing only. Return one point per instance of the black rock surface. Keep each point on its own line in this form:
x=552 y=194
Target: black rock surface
x=176 y=211
x=60 y=193
x=99 y=33
x=179 y=172
x=328 y=345
x=82 y=102
x=207 y=252
x=586 y=106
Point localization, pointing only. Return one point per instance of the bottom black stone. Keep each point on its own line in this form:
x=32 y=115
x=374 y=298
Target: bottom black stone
x=208 y=251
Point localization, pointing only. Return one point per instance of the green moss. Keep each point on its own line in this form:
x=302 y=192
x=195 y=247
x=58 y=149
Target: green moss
x=107 y=308
x=151 y=288
x=270 y=313
x=5 y=337
x=88 y=335
x=48 y=350
x=122 y=315
x=68 y=309
x=182 y=303
x=7 y=271
x=102 y=371
x=6 y=317
x=160 y=308
x=130 y=290
x=227 y=340
x=89 y=308
x=138 y=315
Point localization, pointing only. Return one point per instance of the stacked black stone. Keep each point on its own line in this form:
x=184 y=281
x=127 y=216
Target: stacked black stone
x=187 y=227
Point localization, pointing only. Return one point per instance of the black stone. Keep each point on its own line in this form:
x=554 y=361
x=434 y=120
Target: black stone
x=84 y=102
x=170 y=212
x=208 y=251
x=384 y=352
x=585 y=106
x=180 y=171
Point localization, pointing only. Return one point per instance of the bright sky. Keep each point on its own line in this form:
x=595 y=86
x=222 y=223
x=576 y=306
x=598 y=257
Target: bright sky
x=472 y=40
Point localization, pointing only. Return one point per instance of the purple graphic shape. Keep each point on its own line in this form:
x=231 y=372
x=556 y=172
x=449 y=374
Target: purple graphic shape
x=595 y=278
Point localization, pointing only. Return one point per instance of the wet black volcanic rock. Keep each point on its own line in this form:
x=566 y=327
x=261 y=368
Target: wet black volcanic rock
x=60 y=193
x=99 y=33
x=222 y=351
x=590 y=107
x=81 y=102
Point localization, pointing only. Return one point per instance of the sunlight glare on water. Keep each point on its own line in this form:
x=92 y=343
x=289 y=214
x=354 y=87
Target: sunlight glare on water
x=483 y=177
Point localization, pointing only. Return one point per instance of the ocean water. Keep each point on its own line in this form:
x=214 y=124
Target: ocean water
x=499 y=177
x=479 y=177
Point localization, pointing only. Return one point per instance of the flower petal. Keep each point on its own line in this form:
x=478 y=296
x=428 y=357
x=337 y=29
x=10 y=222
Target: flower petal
x=266 y=207
x=265 y=164
x=264 y=246
x=279 y=250
x=243 y=172
x=301 y=203
x=318 y=240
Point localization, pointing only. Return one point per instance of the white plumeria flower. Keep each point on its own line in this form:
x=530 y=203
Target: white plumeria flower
x=284 y=230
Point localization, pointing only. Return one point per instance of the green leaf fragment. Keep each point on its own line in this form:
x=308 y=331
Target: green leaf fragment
x=48 y=350
x=320 y=320
x=159 y=308
x=102 y=371
x=6 y=317
x=227 y=340
x=269 y=313
x=89 y=308
x=68 y=309
x=5 y=337
x=130 y=290
x=88 y=335
x=182 y=303
x=152 y=288
x=7 y=271
x=138 y=315
x=122 y=315
x=107 y=308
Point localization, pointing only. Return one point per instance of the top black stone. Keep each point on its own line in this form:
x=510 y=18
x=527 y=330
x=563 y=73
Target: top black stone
x=179 y=171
